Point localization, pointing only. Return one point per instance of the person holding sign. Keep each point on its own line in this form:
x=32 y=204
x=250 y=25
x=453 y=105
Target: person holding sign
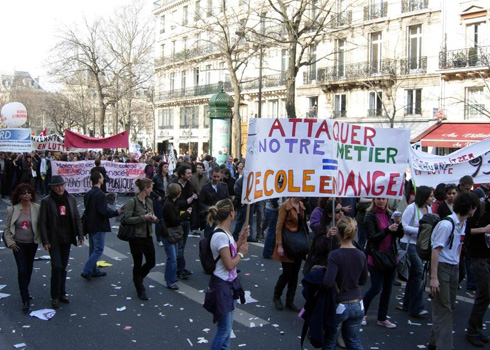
x=291 y=217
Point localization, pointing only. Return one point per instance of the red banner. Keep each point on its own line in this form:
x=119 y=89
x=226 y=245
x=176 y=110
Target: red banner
x=75 y=140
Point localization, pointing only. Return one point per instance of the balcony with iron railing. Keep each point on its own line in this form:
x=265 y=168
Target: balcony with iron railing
x=354 y=71
x=339 y=114
x=200 y=90
x=413 y=65
x=465 y=58
x=375 y=11
x=341 y=19
x=268 y=81
x=187 y=54
x=414 y=5
x=374 y=112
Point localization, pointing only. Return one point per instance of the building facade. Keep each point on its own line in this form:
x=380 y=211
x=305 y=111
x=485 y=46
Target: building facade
x=385 y=63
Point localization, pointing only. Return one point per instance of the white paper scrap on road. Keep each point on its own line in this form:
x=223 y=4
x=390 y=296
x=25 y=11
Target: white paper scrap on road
x=2 y=286
x=252 y=325
x=232 y=336
x=202 y=340
x=43 y=314
x=20 y=345
x=248 y=297
x=4 y=295
x=190 y=342
x=414 y=323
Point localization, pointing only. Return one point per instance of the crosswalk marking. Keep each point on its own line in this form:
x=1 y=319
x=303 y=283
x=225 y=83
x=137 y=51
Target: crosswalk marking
x=239 y=316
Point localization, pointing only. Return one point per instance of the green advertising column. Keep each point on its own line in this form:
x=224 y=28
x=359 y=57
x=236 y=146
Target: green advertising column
x=220 y=114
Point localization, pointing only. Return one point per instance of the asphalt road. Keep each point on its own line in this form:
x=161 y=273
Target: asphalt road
x=105 y=313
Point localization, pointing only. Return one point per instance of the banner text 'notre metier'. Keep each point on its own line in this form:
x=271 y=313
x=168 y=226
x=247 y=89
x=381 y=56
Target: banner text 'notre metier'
x=310 y=157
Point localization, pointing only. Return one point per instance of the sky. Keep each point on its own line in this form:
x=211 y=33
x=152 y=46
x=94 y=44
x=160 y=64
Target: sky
x=28 y=30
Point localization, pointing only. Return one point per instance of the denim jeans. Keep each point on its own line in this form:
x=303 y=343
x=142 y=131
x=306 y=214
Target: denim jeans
x=441 y=335
x=171 y=264
x=95 y=249
x=158 y=210
x=59 y=261
x=349 y=322
x=186 y=225
x=241 y=215
x=270 y=237
x=413 y=300
x=380 y=282
x=221 y=340
x=24 y=258
x=470 y=278
x=481 y=272
x=361 y=235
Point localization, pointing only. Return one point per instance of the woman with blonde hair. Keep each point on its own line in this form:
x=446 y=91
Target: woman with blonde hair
x=139 y=212
x=382 y=233
x=346 y=266
x=224 y=286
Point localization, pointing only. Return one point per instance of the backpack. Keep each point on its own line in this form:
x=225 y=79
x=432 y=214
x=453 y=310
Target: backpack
x=426 y=227
x=206 y=255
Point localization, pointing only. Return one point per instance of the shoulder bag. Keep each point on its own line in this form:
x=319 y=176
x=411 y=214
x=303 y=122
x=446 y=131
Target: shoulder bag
x=296 y=244
x=383 y=261
x=126 y=231
x=175 y=234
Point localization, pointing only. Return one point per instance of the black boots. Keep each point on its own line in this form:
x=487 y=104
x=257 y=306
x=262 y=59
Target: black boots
x=25 y=306
x=278 y=303
x=140 y=288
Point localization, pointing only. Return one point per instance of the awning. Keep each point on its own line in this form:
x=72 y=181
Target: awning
x=453 y=135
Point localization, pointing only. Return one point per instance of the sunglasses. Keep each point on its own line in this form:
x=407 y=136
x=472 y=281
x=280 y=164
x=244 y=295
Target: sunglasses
x=339 y=210
x=26 y=192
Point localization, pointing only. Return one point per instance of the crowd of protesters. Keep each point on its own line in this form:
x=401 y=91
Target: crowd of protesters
x=201 y=197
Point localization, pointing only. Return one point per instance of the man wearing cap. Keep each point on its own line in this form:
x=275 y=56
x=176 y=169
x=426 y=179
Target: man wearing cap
x=97 y=215
x=60 y=226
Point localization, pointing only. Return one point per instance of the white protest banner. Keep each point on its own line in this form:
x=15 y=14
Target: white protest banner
x=48 y=143
x=15 y=140
x=77 y=175
x=430 y=170
x=323 y=158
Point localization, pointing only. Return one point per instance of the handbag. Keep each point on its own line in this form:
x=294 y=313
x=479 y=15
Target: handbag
x=296 y=244
x=383 y=261
x=175 y=234
x=126 y=232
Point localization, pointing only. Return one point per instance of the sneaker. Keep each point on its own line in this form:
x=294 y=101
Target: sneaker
x=187 y=272
x=173 y=286
x=183 y=277
x=420 y=313
x=386 y=324
x=86 y=277
x=160 y=244
x=364 y=321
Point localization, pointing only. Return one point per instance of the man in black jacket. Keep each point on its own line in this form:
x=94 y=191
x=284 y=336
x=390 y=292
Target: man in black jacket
x=96 y=224
x=211 y=193
x=60 y=227
x=187 y=197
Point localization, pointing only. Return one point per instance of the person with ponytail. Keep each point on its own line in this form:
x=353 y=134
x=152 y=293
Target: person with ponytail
x=347 y=268
x=224 y=286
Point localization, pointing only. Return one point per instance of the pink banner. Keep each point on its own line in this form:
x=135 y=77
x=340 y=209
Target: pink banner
x=75 y=140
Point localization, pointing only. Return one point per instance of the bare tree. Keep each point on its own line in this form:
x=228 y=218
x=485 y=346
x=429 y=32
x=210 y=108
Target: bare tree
x=83 y=52
x=228 y=28
x=299 y=25
x=60 y=112
x=129 y=39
